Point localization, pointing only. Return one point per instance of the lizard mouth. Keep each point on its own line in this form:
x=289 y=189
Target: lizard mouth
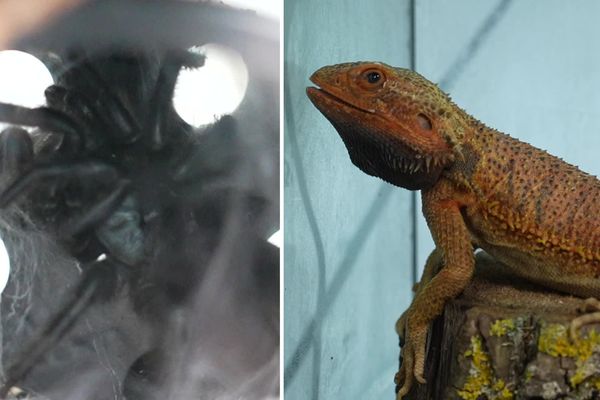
x=321 y=97
x=371 y=147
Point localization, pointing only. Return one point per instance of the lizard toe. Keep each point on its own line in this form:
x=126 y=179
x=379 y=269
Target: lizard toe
x=412 y=355
x=413 y=362
x=587 y=319
x=591 y=306
x=404 y=377
x=419 y=343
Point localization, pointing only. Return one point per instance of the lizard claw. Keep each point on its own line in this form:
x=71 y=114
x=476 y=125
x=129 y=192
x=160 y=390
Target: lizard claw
x=412 y=356
x=591 y=306
x=403 y=379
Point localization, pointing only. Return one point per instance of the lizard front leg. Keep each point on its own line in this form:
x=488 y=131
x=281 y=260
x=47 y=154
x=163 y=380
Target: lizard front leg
x=453 y=242
x=432 y=267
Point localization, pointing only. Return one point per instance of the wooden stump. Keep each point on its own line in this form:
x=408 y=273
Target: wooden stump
x=504 y=339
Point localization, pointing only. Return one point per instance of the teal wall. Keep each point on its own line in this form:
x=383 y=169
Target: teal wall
x=535 y=74
x=528 y=68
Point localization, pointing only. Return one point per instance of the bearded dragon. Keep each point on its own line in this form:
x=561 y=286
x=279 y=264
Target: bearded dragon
x=480 y=188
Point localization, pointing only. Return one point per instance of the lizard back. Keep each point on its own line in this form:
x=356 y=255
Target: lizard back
x=533 y=211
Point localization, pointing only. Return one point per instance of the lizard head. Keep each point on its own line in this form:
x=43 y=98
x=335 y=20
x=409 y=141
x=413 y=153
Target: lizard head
x=396 y=125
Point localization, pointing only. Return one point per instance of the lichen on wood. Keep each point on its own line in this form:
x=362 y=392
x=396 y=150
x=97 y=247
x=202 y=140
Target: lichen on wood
x=507 y=340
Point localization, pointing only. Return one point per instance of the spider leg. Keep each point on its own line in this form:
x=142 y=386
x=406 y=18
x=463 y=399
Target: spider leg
x=46 y=119
x=16 y=151
x=161 y=102
x=71 y=102
x=114 y=108
x=218 y=151
x=82 y=171
x=99 y=116
x=97 y=212
x=90 y=287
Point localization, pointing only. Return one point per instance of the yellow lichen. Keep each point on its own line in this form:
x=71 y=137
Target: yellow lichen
x=480 y=374
x=505 y=394
x=554 y=340
x=481 y=379
x=577 y=378
x=586 y=345
x=501 y=327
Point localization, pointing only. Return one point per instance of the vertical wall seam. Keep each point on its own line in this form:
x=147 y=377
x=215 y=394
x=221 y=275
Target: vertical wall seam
x=413 y=194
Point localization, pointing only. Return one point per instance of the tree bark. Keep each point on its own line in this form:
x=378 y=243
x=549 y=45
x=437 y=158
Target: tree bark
x=506 y=339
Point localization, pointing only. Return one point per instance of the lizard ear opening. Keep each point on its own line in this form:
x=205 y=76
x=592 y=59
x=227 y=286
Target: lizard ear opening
x=424 y=122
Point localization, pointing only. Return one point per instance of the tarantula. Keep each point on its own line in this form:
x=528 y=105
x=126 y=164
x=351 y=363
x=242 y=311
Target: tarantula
x=105 y=162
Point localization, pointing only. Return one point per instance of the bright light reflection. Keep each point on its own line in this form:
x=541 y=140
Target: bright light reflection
x=276 y=239
x=23 y=79
x=206 y=93
x=4 y=266
x=268 y=8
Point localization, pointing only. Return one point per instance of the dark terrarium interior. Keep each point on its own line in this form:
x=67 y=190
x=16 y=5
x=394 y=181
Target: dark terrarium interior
x=140 y=267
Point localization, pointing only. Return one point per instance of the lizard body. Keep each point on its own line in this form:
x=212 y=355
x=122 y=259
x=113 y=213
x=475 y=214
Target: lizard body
x=532 y=211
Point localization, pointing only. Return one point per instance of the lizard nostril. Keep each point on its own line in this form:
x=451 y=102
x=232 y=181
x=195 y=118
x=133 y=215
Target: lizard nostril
x=424 y=122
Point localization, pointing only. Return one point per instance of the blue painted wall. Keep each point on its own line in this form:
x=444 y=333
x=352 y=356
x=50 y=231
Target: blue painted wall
x=534 y=74
x=528 y=68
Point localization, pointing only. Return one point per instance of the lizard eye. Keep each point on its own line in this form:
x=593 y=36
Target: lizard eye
x=372 y=78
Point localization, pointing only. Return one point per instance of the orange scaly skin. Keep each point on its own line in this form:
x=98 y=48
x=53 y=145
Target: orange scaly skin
x=481 y=188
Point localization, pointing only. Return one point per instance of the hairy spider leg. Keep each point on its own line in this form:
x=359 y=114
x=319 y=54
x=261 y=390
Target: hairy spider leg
x=217 y=152
x=115 y=110
x=89 y=287
x=82 y=171
x=46 y=119
x=163 y=94
x=161 y=103
x=97 y=212
x=80 y=107
x=123 y=126
x=16 y=151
